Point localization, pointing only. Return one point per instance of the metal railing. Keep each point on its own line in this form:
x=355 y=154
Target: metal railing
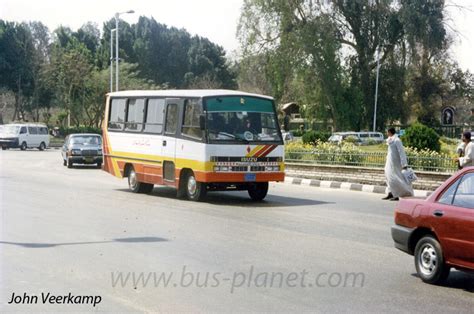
x=369 y=159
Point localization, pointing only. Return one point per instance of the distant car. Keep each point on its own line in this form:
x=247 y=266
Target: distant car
x=371 y=137
x=24 y=136
x=339 y=137
x=82 y=149
x=439 y=230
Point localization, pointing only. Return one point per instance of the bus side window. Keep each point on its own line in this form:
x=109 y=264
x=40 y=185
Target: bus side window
x=136 y=108
x=154 y=116
x=192 y=111
x=171 y=119
x=117 y=114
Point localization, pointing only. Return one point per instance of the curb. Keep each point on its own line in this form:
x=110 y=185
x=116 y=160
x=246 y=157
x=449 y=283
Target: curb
x=348 y=186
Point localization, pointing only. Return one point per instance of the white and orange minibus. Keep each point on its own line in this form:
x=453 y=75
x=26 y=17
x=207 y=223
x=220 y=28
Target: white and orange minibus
x=194 y=140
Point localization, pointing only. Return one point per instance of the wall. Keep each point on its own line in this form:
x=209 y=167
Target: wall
x=374 y=176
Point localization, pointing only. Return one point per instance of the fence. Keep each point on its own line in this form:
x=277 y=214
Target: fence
x=369 y=159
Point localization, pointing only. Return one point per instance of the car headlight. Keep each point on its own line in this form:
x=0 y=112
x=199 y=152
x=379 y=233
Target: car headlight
x=76 y=151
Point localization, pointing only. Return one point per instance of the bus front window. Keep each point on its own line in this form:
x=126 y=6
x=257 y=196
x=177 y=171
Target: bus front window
x=248 y=126
x=254 y=122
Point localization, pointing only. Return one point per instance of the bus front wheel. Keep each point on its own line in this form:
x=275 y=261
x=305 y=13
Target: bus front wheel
x=195 y=191
x=137 y=186
x=258 y=191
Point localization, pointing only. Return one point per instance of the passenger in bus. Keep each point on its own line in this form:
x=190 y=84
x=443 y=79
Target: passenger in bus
x=217 y=123
x=234 y=123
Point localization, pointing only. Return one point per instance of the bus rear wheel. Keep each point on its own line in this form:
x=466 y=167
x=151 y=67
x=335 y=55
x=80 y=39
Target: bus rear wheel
x=137 y=186
x=258 y=191
x=195 y=191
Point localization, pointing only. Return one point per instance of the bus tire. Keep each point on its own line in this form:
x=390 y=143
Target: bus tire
x=137 y=186
x=258 y=191
x=195 y=191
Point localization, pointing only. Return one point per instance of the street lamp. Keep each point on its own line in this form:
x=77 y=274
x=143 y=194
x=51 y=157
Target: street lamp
x=117 y=15
x=376 y=88
x=112 y=60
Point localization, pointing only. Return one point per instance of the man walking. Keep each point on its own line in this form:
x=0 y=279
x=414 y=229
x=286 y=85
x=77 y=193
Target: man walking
x=396 y=162
x=468 y=159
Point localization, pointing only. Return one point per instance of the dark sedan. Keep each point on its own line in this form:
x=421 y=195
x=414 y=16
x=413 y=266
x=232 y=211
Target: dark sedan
x=82 y=149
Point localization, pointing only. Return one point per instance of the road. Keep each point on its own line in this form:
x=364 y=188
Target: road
x=77 y=230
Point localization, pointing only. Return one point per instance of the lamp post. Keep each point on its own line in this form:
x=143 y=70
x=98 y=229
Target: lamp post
x=112 y=60
x=376 y=88
x=117 y=15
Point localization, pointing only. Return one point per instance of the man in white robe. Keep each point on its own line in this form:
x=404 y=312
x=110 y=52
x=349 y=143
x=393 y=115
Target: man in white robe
x=395 y=163
x=468 y=157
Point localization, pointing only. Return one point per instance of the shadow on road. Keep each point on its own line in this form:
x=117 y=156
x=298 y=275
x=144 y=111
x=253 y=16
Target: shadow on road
x=237 y=198
x=457 y=280
x=122 y=240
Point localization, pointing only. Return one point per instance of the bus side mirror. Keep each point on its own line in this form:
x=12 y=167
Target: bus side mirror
x=202 y=122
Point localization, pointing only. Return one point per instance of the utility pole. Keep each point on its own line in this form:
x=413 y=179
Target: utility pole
x=376 y=88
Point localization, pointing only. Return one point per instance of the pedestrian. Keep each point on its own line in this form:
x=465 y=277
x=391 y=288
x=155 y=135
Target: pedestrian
x=286 y=122
x=395 y=163
x=468 y=159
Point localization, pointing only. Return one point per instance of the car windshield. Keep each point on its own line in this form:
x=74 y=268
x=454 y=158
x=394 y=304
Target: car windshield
x=242 y=119
x=10 y=129
x=86 y=140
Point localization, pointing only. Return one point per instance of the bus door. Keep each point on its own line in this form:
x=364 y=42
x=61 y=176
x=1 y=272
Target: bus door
x=169 y=139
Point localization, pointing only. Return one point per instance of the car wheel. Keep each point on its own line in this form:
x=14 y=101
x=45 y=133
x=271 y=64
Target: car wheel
x=4 y=148
x=137 y=186
x=23 y=146
x=195 y=191
x=42 y=146
x=429 y=261
x=258 y=191
x=69 y=163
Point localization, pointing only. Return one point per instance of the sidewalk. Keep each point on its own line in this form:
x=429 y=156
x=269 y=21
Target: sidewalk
x=348 y=186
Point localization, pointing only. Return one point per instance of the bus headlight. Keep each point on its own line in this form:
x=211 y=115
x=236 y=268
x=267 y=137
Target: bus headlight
x=222 y=168
x=272 y=168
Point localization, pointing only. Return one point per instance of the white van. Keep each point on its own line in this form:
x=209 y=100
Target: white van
x=24 y=136
x=371 y=137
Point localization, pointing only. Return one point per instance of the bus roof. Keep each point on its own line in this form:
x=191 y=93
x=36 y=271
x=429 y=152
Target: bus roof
x=184 y=93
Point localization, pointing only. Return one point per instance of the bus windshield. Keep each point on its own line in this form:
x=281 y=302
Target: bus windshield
x=241 y=119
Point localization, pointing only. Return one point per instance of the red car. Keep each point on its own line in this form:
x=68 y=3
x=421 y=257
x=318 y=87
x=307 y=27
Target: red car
x=439 y=230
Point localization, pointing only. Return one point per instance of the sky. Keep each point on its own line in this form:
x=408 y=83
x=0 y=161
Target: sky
x=214 y=19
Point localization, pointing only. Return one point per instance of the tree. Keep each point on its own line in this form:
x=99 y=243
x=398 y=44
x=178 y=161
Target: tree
x=17 y=55
x=331 y=46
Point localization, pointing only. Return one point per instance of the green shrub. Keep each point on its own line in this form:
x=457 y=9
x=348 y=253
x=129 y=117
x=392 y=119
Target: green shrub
x=421 y=137
x=297 y=133
x=312 y=137
x=351 y=139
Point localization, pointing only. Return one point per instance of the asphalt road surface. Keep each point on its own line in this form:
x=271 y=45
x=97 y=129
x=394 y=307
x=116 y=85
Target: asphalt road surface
x=304 y=249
